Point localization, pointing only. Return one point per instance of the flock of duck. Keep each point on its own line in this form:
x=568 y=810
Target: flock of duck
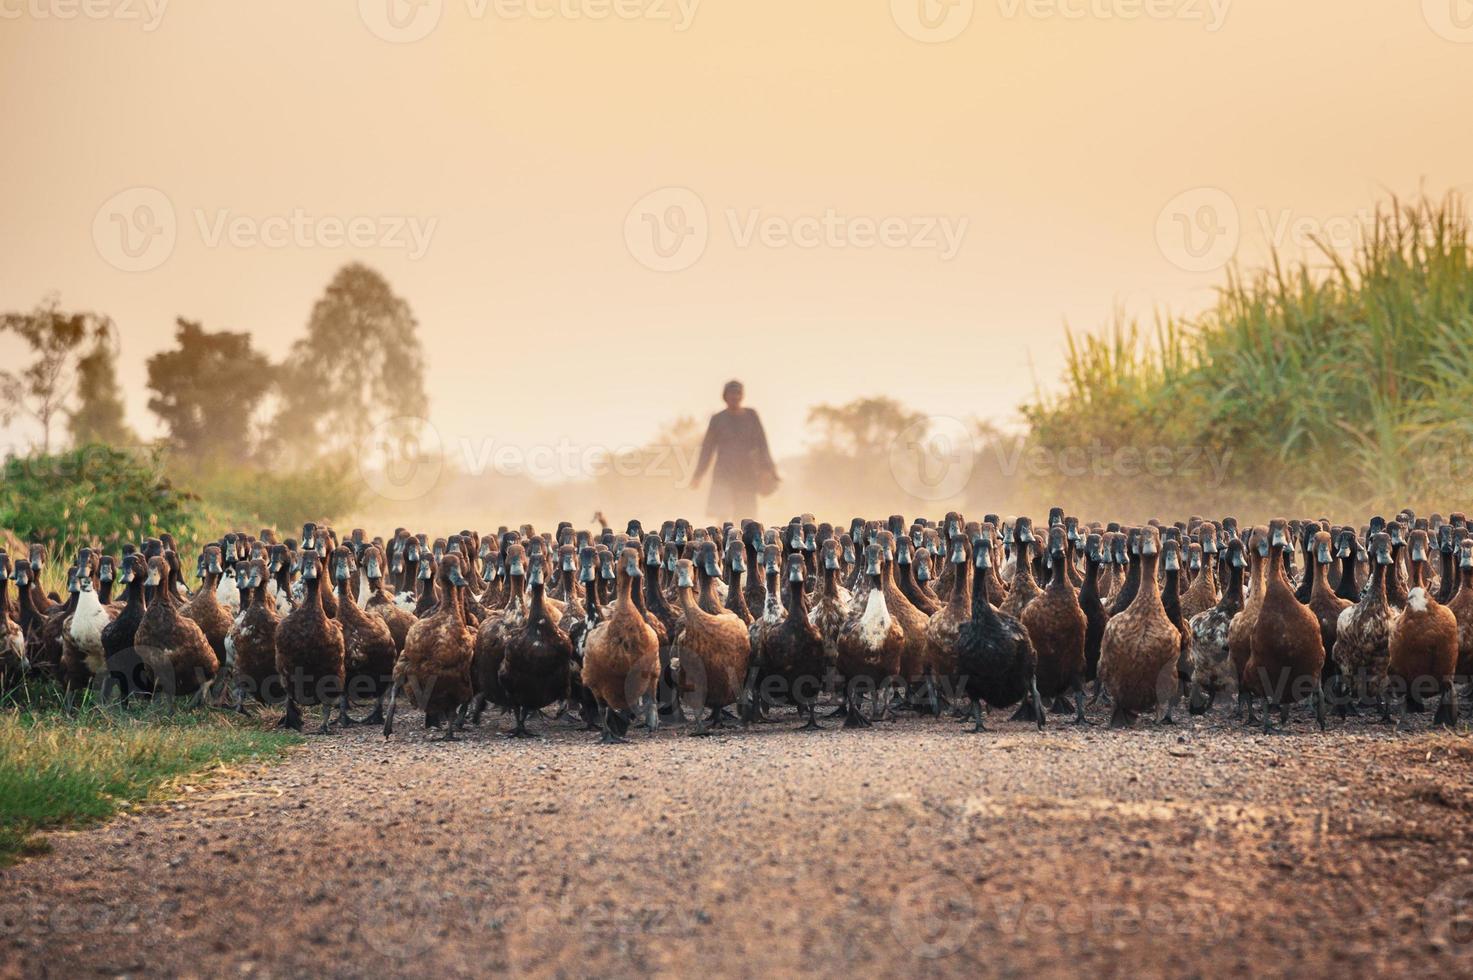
x=623 y=629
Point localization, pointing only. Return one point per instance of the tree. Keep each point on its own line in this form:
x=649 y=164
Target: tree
x=98 y=417
x=43 y=388
x=359 y=365
x=207 y=390
x=864 y=427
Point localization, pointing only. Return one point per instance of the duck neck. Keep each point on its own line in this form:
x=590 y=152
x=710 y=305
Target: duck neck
x=1059 y=571
x=797 y=600
x=982 y=596
x=1378 y=584
x=653 y=597
x=961 y=586
x=1150 y=589
x=1465 y=578
x=569 y=585
x=708 y=590
x=1091 y=587
x=537 y=609
x=6 y=609
x=1170 y=581
x=313 y=588
x=1232 y=596
x=831 y=582
x=1023 y=566
x=1321 y=585
x=624 y=593
x=105 y=592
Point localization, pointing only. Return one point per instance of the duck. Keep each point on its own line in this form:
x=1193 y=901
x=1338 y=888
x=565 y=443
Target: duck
x=788 y=660
x=47 y=649
x=369 y=652
x=1171 y=603
x=712 y=653
x=380 y=603
x=621 y=656
x=204 y=607
x=13 y=662
x=434 y=671
x=1350 y=553
x=736 y=566
x=1424 y=645
x=83 y=656
x=489 y=645
x=251 y=642
x=1140 y=647
x=1023 y=588
x=871 y=642
x=537 y=655
x=830 y=606
x=1287 y=661
x=1323 y=601
x=1128 y=549
x=1363 y=637
x=1202 y=594
x=175 y=651
x=906 y=573
x=1056 y=628
x=915 y=668
x=1212 y=666
x=310 y=653
x=119 y=649
x=1461 y=605
x=994 y=655
x=945 y=624
x=1092 y=604
x=1240 y=630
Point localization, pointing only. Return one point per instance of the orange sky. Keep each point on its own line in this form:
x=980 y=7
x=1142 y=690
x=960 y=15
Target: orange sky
x=531 y=143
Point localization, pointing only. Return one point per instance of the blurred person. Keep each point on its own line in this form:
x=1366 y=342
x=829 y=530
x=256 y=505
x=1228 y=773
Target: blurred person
x=743 y=464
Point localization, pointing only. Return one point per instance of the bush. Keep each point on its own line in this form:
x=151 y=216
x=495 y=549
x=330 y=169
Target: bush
x=1338 y=390
x=94 y=494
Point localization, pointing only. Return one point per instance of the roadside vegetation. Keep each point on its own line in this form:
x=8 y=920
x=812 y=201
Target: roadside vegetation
x=1340 y=384
x=59 y=772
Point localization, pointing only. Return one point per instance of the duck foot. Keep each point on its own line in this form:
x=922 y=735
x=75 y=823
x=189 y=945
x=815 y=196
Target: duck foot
x=1120 y=718
x=855 y=719
x=1061 y=706
x=292 y=719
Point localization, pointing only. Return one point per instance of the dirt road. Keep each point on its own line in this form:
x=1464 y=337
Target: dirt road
x=1196 y=851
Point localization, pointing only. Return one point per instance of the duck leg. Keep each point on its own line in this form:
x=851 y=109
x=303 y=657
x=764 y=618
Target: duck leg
x=1120 y=718
x=376 y=717
x=1079 y=718
x=609 y=738
x=389 y=715
x=1037 y=702
x=812 y=725
x=480 y=706
x=1447 y=707
x=520 y=728
x=854 y=711
x=651 y=714
x=979 y=713
x=293 y=718
x=326 y=717
x=1319 y=705
x=344 y=720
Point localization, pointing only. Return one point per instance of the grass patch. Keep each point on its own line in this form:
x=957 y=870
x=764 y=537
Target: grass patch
x=59 y=772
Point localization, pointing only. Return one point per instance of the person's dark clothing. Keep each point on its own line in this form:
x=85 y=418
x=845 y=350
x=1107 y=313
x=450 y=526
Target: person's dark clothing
x=738 y=444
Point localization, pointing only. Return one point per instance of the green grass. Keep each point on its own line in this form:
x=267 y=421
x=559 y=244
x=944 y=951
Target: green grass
x=58 y=772
x=1341 y=384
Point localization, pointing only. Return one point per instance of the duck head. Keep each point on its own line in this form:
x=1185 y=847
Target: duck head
x=923 y=565
x=874 y=557
x=607 y=565
x=1381 y=548
x=736 y=557
x=1170 y=555
x=1234 y=556
x=1194 y=557
x=158 y=572
x=1323 y=554
x=707 y=556
x=1094 y=549
x=685 y=574
x=847 y=550
x=831 y=556
x=342 y=565
x=1465 y=554
x=795 y=570
x=587 y=566
x=452 y=577
x=1418 y=542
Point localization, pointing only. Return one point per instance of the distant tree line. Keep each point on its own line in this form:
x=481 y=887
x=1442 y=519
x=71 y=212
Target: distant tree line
x=214 y=393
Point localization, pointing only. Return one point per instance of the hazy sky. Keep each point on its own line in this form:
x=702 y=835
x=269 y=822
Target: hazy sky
x=601 y=209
